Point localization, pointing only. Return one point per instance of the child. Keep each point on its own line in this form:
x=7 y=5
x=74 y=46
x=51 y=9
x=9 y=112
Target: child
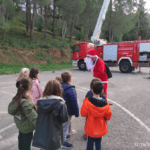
x=52 y=112
x=24 y=112
x=95 y=109
x=36 y=91
x=70 y=96
x=59 y=79
x=24 y=73
x=90 y=94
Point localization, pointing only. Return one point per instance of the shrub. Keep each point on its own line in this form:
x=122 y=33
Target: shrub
x=39 y=23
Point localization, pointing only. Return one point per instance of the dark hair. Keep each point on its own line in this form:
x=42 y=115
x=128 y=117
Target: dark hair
x=58 y=79
x=22 y=89
x=94 y=80
x=97 y=87
x=33 y=72
x=66 y=76
x=53 y=87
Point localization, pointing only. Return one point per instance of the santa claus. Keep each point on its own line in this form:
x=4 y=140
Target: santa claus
x=97 y=66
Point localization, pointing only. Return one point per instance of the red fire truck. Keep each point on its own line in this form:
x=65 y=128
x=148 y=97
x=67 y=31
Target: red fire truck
x=128 y=55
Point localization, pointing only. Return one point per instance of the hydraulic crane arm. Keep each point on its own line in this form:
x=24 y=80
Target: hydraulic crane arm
x=97 y=31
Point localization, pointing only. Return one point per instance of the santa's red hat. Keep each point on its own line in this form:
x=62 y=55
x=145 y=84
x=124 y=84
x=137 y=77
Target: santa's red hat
x=92 y=53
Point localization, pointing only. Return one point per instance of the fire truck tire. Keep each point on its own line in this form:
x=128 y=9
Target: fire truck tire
x=82 y=65
x=125 y=67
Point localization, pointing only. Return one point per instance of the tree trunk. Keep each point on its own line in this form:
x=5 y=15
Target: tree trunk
x=33 y=22
x=110 y=35
x=110 y=23
x=27 y=15
x=71 y=31
x=87 y=30
x=30 y=15
x=41 y=8
x=45 y=20
x=86 y=34
x=54 y=19
x=4 y=34
x=3 y=14
x=64 y=28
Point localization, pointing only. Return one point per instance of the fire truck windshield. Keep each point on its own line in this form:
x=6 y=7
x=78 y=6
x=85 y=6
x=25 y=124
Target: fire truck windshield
x=76 y=48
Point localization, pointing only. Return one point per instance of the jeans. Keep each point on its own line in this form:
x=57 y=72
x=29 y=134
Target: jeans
x=65 y=128
x=24 y=140
x=91 y=141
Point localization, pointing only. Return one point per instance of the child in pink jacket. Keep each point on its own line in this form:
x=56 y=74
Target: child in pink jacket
x=36 y=91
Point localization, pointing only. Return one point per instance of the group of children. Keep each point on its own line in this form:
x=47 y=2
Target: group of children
x=49 y=112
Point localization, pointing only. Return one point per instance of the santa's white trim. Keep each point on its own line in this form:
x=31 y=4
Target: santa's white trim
x=91 y=55
x=104 y=81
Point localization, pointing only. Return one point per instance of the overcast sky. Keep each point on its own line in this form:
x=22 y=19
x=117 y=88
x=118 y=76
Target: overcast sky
x=147 y=5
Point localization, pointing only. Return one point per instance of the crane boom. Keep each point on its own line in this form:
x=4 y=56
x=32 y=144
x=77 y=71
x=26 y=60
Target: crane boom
x=97 y=31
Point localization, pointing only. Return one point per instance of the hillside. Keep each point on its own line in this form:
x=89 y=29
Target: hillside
x=20 y=51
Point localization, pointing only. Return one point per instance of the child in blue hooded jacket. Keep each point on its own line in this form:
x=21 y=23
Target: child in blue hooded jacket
x=70 y=96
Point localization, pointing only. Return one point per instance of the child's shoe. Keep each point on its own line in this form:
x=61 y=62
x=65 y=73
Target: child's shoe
x=68 y=136
x=72 y=132
x=67 y=145
x=85 y=136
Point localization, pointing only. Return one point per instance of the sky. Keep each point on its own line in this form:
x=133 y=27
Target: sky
x=147 y=5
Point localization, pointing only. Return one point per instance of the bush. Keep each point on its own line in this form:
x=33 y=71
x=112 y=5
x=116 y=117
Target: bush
x=79 y=34
x=39 y=23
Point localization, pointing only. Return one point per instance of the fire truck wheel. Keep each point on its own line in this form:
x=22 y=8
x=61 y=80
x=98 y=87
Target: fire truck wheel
x=82 y=65
x=125 y=67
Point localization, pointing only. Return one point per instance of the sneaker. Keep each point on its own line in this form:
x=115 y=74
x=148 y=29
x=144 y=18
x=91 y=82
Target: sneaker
x=67 y=145
x=85 y=136
x=68 y=137
x=72 y=132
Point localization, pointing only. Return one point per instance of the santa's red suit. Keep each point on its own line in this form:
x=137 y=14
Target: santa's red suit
x=99 y=70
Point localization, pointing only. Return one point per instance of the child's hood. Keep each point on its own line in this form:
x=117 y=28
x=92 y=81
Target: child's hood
x=48 y=104
x=13 y=107
x=66 y=86
x=97 y=111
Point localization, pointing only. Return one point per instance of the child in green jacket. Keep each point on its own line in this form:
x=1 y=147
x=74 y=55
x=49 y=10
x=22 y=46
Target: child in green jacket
x=24 y=111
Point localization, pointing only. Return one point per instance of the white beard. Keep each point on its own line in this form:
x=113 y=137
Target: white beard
x=89 y=63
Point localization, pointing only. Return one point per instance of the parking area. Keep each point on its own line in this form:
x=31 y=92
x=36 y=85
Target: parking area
x=129 y=128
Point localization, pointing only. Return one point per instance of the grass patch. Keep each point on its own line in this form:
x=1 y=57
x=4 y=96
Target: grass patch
x=11 y=69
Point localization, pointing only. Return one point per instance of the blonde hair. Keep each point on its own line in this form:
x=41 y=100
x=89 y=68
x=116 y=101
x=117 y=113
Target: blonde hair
x=21 y=74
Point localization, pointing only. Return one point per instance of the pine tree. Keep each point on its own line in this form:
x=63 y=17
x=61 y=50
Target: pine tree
x=119 y=19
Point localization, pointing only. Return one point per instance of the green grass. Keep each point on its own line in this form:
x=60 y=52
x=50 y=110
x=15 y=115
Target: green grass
x=15 y=38
x=11 y=69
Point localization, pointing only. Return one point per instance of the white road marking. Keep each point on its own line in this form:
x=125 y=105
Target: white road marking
x=127 y=111
x=132 y=115
x=4 y=112
x=7 y=93
x=8 y=83
x=11 y=125
x=1 y=137
x=7 y=87
x=11 y=141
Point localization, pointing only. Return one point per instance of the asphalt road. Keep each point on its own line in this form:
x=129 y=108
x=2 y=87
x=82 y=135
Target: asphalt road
x=129 y=128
